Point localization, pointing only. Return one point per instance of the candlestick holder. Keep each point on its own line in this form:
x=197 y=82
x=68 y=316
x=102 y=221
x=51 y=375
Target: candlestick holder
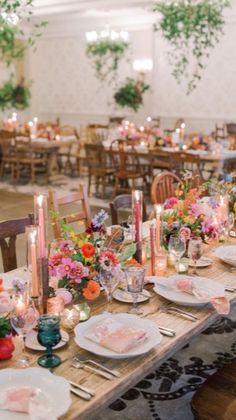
x=44 y=277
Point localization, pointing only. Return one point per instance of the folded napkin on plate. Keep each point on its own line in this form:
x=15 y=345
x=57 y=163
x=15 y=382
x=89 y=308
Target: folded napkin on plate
x=220 y=303
x=115 y=336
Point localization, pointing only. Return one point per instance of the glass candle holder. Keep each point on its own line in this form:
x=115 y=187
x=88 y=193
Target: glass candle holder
x=49 y=336
x=182 y=266
x=160 y=263
x=69 y=319
x=55 y=305
x=32 y=259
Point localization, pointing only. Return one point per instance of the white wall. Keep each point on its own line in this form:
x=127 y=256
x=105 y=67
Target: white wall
x=65 y=85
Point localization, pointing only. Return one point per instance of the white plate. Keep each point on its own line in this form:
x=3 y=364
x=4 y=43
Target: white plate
x=126 y=297
x=203 y=262
x=154 y=337
x=56 y=389
x=227 y=253
x=163 y=288
x=19 y=273
x=32 y=343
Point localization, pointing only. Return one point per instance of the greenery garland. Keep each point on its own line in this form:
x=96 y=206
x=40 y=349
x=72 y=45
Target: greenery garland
x=192 y=27
x=16 y=97
x=131 y=94
x=106 y=55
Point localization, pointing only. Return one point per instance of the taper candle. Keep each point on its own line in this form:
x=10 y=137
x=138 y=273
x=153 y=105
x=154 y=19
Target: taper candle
x=137 y=203
x=158 y=210
x=40 y=205
x=152 y=245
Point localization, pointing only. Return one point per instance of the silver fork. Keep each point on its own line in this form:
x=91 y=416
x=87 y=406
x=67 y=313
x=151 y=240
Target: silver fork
x=111 y=371
x=79 y=365
x=180 y=312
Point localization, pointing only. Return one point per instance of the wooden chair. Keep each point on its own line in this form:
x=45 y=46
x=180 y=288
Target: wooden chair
x=182 y=161
x=215 y=400
x=29 y=159
x=9 y=230
x=56 y=204
x=127 y=167
x=163 y=186
x=96 y=133
x=220 y=133
x=65 y=152
x=8 y=154
x=99 y=167
x=231 y=133
x=121 y=201
x=160 y=159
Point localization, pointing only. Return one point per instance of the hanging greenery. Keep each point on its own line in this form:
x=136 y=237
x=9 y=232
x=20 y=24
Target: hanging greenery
x=131 y=94
x=11 y=14
x=105 y=55
x=14 y=96
x=192 y=27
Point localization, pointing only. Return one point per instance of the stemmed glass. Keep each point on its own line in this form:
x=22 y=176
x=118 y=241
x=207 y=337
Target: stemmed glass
x=49 y=336
x=135 y=281
x=109 y=282
x=230 y=222
x=176 y=247
x=23 y=320
x=195 y=252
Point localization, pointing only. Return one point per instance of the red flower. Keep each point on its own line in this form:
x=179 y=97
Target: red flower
x=88 y=250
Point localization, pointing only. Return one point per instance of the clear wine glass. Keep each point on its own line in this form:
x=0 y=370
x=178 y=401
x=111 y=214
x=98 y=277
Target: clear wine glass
x=230 y=222
x=109 y=282
x=177 y=248
x=195 y=252
x=23 y=320
x=135 y=281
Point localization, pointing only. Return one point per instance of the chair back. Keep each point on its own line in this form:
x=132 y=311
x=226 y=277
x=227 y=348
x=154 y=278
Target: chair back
x=163 y=186
x=6 y=135
x=9 y=229
x=68 y=130
x=83 y=215
x=96 y=133
x=121 y=201
x=95 y=155
x=124 y=160
x=220 y=133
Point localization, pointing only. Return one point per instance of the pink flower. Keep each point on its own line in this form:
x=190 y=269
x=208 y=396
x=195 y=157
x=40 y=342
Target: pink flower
x=65 y=295
x=196 y=210
x=170 y=203
x=65 y=245
x=108 y=260
x=53 y=282
x=185 y=233
x=79 y=271
x=209 y=228
x=6 y=304
x=66 y=267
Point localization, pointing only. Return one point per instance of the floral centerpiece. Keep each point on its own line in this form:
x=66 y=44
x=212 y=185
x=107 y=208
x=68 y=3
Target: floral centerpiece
x=78 y=260
x=224 y=187
x=186 y=216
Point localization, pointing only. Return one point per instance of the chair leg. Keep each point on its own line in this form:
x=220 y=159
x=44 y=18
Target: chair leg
x=2 y=169
x=103 y=186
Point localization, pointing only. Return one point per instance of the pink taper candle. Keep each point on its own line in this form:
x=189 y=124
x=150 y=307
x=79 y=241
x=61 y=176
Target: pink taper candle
x=40 y=217
x=137 y=214
x=33 y=250
x=152 y=245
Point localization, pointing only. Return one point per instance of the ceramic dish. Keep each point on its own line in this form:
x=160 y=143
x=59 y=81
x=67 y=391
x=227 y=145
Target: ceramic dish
x=126 y=297
x=32 y=343
x=202 y=263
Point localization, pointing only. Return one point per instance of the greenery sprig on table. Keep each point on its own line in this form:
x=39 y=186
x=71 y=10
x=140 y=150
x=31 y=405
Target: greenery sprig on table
x=14 y=96
x=192 y=27
x=131 y=94
x=105 y=55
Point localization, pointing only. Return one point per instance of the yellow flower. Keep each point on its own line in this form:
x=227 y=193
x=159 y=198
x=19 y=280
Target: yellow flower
x=189 y=219
x=235 y=207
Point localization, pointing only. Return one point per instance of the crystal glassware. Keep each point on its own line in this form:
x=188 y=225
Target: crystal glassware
x=230 y=222
x=49 y=336
x=109 y=282
x=176 y=247
x=135 y=281
x=23 y=320
x=195 y=252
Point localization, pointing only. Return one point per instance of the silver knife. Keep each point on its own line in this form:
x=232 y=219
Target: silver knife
x=167 y=332
x=182 y=313
x=89 y=391
x=80 y=393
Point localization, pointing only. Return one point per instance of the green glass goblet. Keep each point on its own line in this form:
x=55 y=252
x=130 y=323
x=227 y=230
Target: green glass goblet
x=49 y=336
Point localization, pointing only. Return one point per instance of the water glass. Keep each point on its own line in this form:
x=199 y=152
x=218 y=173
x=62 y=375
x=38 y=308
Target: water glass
x=160 y=263
x=49 y=336
x=135 y=282
x=109 y=282
x=195 y=252
x=176 y=247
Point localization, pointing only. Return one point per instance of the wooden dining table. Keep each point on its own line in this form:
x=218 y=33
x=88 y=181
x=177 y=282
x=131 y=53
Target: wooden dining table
x=132 y=370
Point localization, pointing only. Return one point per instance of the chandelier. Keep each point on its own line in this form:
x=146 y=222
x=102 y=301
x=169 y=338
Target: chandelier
x=107 y=34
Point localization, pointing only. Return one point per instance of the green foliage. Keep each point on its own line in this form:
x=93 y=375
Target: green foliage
x=127 y=253
x=192 y=28
x=131 y=94
x=106 y=55
x=16 y=97
x=5 y=327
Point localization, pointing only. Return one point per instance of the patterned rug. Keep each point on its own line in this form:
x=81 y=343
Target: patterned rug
x=167 y=392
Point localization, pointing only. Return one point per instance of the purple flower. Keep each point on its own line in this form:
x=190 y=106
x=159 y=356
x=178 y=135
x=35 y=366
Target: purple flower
x=209 y=228
x=99 y=218
x=196 y=210
x=65 y=245
x=170 y=203
x=18 y=285
x=213 y=202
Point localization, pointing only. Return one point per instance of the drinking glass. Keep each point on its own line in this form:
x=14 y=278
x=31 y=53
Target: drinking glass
x=230 y=222
x=135 y=281
x=49 y=336
x=176 y=247
x=195 y=252
x=109 y=282
x=23 y=320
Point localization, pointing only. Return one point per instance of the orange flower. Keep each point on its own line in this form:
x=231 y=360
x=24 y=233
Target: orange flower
x=133 y=261
x=1 y=285
x=88 y=250
x=92 y=291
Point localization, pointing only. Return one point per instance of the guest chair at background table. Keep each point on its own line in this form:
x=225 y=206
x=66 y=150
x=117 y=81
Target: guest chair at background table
x=56 y=205
x=8 y=153
x=231 y=132
x=9 y=230
x=99 y=167
x=123 y=201
x=182 y=161
x=65 y=152
x=163 y=187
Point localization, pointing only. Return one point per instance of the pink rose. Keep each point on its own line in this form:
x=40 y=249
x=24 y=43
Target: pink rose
x=53 y=282
x=185 y=233
x=65 y=295
x=6 y=304
x=170 y=203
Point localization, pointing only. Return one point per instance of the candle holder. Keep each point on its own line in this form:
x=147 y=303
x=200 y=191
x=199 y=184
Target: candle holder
x=40 y=218
x=182 y=266
x=161 y=263
x=69 y=319
x=137 y=211
x=158 y=210
x=32 y=261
